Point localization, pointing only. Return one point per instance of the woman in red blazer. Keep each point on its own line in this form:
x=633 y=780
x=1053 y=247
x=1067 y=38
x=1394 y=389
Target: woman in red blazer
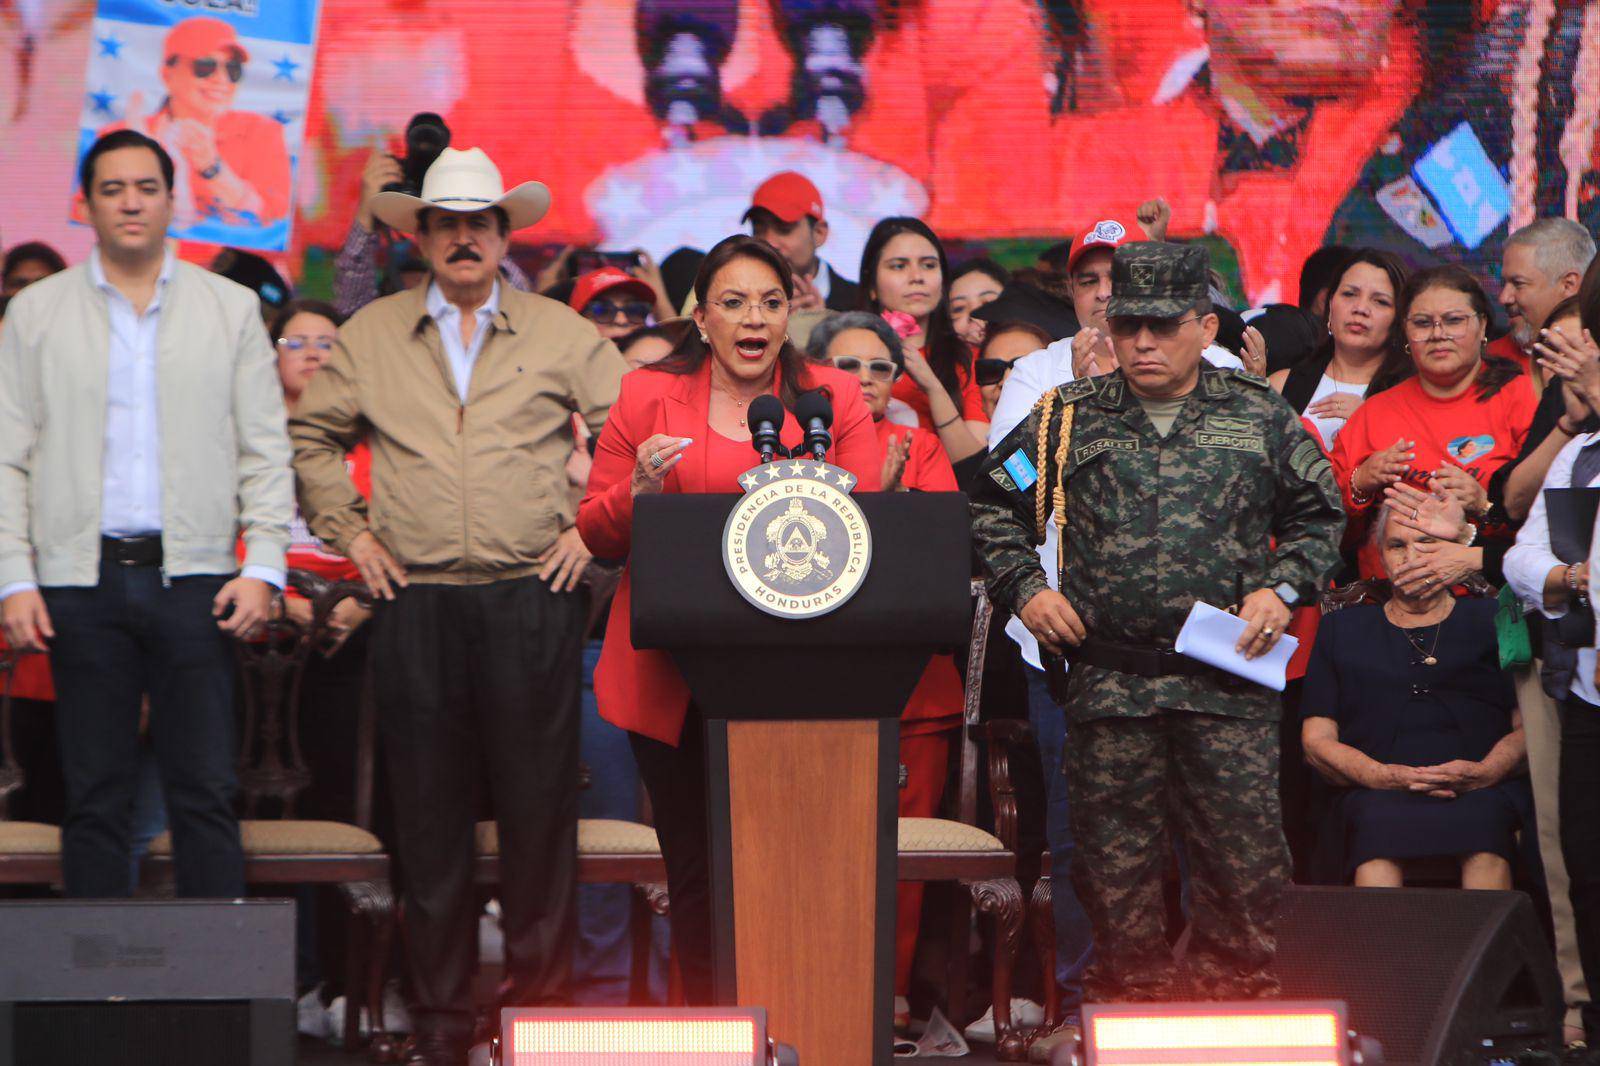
x=679 y=426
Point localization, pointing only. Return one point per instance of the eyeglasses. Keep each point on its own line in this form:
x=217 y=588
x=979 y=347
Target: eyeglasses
x=1454 y=324
x=991 y=371
x=1126 y=326
x=882 y=369
x=300 y=344
x=635 y=311
x=206 y=66
x=733 y=306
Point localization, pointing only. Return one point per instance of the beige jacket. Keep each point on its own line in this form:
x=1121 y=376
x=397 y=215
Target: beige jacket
x=461 y=494
x=224 y=451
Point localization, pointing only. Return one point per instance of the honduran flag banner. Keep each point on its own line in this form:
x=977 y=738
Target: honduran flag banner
x=222 y=84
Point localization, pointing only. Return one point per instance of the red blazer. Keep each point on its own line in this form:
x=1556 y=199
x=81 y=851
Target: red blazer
x=642 y=691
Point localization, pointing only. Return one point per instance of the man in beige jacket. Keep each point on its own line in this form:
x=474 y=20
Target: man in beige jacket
x=464 y=390
x=141 y=433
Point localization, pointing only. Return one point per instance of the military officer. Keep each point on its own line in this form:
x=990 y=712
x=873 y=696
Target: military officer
x=1172 y=482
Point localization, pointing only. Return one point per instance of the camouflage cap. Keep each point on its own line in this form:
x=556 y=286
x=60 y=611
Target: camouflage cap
x=1158 y=280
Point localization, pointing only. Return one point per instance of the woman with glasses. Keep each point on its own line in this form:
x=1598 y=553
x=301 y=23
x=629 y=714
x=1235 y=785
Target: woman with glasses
x=1444 y=431
x=681 y=425
x=1005 y=343
x=903 y=271
x=233 y=166
x=864 y=345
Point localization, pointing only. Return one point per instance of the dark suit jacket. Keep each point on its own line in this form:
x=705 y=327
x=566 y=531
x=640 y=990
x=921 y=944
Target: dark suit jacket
x=843 y=294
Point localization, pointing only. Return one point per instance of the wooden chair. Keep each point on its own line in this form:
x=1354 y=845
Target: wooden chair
x=983 y=863
x=283 y=850
x=610 y=851
x=30 y=852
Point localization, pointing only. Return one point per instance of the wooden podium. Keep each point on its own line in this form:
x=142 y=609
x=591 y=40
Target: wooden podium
x=802 y=722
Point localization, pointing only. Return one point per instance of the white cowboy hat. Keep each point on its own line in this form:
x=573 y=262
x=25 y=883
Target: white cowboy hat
x=465 y=180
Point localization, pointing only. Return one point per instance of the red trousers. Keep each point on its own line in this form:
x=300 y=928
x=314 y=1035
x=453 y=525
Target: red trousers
x=926 y=759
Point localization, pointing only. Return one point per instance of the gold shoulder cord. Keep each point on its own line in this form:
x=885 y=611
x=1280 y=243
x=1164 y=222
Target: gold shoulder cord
x=1042 y=488
x=1063 y=450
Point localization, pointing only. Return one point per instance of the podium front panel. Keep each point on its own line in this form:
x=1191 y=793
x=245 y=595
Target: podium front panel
x=917 y=592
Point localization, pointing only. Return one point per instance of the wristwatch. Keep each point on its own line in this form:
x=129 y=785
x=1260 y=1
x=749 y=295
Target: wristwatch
x=1285 y=592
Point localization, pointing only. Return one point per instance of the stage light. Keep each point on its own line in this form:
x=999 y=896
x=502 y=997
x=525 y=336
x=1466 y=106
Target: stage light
x=735 y=1036
x=1258 y=1033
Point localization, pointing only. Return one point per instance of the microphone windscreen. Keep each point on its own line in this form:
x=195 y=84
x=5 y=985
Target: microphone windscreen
x=813 y=404
x=767 y=408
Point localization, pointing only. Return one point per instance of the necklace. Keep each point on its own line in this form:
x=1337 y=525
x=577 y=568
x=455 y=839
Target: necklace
x=740 y=404
x=1428 y=657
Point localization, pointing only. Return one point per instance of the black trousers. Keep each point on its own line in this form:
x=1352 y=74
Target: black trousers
x=1579 y=799
x=675 y=777
x=128 y=636
x=477 y=689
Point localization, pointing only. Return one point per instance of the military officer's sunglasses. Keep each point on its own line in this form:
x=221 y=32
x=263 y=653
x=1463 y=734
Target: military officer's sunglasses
x=1126 y=326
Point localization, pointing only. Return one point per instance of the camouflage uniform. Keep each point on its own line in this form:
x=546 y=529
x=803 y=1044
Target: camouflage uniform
x=1152 y=525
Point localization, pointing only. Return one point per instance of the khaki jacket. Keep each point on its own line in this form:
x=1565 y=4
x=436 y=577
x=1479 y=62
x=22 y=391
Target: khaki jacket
x=461 y=493
x=224 y=454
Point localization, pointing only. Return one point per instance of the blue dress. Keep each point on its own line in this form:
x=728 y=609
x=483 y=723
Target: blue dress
x=1370 y=679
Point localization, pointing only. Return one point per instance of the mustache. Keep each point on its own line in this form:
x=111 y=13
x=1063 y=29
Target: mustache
x=464 y=253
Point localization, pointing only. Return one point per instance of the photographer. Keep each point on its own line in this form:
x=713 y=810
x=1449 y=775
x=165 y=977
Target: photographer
x=355 y=272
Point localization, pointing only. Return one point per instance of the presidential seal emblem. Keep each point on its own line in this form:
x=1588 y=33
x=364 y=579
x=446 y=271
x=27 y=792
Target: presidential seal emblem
x=797 y=544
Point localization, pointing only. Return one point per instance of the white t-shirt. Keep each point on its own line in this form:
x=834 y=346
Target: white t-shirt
x=1329 y=427
x=1030 y=377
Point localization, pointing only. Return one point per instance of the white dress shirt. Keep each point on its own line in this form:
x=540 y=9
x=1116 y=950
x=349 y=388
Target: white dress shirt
x=1030 y=378
x=448 y=318
x=130 y=488
x=1530 y=560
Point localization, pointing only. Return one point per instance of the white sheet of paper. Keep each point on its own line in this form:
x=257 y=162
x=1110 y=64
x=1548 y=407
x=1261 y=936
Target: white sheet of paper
x=1209 y=634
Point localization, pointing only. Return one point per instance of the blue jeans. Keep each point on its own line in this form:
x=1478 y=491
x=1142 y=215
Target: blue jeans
x=602 y=967
x=1074 y=937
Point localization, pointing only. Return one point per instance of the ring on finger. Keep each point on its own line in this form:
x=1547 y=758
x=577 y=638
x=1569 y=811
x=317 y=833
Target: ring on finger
x=656 y=462
x=1268 y=632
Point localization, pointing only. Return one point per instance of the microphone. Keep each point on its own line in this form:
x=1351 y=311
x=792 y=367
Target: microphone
x=815 y=414
x=766 y=425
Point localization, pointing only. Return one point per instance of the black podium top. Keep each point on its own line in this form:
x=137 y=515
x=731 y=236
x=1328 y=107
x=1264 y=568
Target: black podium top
x=860 y=661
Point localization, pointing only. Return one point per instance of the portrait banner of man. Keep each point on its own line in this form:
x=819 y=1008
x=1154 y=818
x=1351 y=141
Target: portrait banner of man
x=225 y=93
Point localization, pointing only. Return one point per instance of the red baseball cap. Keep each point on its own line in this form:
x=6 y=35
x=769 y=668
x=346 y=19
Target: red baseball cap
x=197 y=37
x=604 y=280
x=1108 y=233
x=788 y=195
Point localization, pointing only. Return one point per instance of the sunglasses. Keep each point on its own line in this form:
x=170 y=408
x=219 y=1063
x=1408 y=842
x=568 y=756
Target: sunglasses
x=1126 y=326
x=206 y=66
x=300 y=344
x=882 y=369
x=991 y=371
x=606 y=311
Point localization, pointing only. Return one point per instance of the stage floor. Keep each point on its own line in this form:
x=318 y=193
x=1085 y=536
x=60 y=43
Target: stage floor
x=316 y=1053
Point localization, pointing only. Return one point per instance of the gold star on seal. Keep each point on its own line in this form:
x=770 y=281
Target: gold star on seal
x=797 y=467
x=748 y=481
x=772 y=472
x=845 y=480
x=820 y=470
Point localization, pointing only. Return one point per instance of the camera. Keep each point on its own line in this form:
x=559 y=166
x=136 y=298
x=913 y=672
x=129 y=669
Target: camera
x=426 y=137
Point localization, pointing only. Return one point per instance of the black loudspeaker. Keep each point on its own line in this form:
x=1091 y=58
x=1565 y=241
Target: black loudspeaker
x=133 y=983
x=1440 y=977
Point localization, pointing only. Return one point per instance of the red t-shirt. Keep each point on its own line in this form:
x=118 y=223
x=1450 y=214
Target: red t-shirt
x=1506 y=348
x=1480 y=437
x=928 y=468
x=936 y=703
x=911 y=394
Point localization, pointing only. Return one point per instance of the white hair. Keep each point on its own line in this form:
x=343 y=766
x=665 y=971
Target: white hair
x=1560 y=246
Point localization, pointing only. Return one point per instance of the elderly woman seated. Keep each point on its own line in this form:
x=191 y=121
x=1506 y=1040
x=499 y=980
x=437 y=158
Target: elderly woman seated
x=1409 y=715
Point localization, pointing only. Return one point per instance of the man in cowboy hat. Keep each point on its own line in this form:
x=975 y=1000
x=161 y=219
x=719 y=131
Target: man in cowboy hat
x=464 y=390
